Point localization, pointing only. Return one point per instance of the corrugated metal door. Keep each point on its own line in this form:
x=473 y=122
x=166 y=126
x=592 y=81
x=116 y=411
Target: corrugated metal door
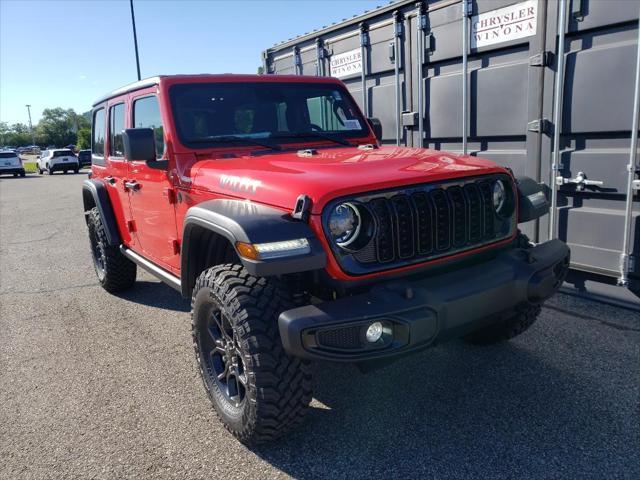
x=601 y=47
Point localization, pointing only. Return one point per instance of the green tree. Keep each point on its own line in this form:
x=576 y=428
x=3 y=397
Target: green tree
x=84 y=139
x=58 y=126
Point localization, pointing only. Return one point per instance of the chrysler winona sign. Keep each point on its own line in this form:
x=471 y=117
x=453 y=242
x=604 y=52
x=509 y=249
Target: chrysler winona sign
x=504 y=24
x=347 y=63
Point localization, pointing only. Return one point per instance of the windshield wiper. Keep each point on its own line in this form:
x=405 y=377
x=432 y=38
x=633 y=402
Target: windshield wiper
x=312 y=134
x=234 y=139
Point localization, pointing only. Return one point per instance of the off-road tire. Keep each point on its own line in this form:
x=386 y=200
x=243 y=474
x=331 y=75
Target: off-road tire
x=507 y=328
x=115 y=271
x=278 y=387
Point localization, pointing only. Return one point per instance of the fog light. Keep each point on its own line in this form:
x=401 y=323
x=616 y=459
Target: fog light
x=374 y=332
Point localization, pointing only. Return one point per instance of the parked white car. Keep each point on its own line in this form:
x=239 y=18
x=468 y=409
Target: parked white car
x=10 y=163
x=58 y=160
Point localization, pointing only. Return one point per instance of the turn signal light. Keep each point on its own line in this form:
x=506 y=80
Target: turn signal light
x=263 y=251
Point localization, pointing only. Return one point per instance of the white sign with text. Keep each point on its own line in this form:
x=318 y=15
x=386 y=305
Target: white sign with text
x=347 y=63
x=504 y=24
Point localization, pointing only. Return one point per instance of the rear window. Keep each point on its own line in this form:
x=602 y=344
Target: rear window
x=116 y=126
x=84 y=154
x=63 y=153
x=7 y=155
x=97 y=136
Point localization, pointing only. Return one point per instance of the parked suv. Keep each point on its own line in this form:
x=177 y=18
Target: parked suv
x=84 y=157
x=57 y=160
x=271 y=204
x=11 y=163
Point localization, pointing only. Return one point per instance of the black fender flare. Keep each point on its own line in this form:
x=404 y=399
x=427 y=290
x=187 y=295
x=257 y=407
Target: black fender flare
x=96 y=190
x=533 y=199
x=242 y=221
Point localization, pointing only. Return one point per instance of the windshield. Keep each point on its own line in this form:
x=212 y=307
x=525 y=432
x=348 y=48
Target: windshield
x=216 y=114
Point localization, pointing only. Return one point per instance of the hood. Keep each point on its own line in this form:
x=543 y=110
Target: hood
x=278 y=179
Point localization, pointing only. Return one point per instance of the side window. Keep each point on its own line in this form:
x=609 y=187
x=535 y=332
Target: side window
x=331 y=114
x=146 y=114
x=97 y=137
x=116 y=126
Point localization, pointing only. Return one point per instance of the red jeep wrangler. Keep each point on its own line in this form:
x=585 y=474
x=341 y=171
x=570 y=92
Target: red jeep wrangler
x=270 y=202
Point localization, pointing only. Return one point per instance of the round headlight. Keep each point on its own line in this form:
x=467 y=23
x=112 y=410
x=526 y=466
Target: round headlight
x=499 y=196
x=344 y=224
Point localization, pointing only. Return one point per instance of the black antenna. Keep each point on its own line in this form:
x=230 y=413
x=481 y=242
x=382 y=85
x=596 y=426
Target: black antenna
x=135 y=37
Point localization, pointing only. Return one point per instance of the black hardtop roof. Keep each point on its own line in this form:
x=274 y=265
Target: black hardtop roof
x=140 y=84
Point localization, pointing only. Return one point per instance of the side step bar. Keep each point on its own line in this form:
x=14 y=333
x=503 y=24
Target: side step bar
x=152 y=268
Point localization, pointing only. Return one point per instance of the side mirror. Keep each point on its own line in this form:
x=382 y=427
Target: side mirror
x=140 y=145
x=376 y=126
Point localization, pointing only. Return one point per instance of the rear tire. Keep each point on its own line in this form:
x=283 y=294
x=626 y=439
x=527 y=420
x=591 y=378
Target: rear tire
x=115 y=271
x=76 y=171
x=258 y=391
x=49 y=171
x=23 y=174
x=507 y=328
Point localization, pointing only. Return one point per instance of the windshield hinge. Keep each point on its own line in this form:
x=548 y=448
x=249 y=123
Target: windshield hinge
x=367 y=146
x=307 y=152
x=302 y=210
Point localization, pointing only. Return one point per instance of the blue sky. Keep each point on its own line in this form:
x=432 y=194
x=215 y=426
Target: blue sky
x=68 y=53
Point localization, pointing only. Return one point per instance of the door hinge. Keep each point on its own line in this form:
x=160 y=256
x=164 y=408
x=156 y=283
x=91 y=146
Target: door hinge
x=540 y=60
x=175 y=246
x=170 y=193
x=540 y=126
x=131 y=226
x=409 y=119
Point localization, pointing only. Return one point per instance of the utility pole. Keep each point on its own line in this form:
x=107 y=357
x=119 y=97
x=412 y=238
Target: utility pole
x=33 y=138
x=135 y=37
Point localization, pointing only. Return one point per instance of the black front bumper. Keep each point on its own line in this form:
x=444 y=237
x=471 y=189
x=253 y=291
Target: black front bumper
x=419 y=313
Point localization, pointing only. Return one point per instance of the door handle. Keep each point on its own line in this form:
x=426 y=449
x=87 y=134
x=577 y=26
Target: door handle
x=580 y=181
x=131 y=185
x=110 y=179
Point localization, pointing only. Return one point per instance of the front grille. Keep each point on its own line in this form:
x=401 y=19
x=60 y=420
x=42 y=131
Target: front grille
x=431 y=221
x=344 y=338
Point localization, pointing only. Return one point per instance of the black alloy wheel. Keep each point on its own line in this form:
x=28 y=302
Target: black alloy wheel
x=221 y=352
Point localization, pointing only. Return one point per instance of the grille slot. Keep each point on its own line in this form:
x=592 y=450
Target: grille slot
x=488 y=230
x=424 y=217
x=404 y=217
x=474 y=200
x=443 y=220
x=384 y=238
x=459 y=216
x=432 y=223
x=347 y=338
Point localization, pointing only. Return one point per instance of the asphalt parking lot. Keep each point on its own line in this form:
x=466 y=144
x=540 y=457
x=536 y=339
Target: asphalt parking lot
x=100 y=386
